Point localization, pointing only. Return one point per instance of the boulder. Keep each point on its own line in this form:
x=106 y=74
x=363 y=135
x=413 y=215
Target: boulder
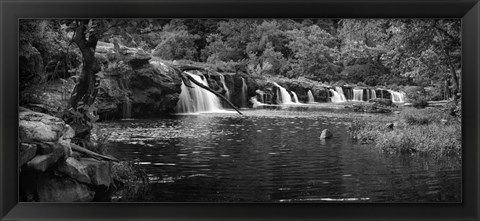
x=42 y=162
x=60 y=189
x=98 y=171
x=389 y=126
x=150 y=87
x=74 y=169
x=59 y=150
x=26 y=153
x=39 y=127
x=138 y=59
x=49 y=154
x=326 y=134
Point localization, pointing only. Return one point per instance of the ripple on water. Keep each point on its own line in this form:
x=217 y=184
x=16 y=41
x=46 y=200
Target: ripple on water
x=272 y=156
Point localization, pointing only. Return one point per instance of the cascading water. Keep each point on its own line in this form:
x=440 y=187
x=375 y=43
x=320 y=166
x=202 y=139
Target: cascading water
x=227 y=92
x=127 y=108
x=340 y=93
x=197 y=99
x=310 y=97
x=255 y=102
x=374 y=94
x=244 y=93
x=295 y=98
x=336 y=98
x=285 y=96
x=397 y=97
x=358 y=94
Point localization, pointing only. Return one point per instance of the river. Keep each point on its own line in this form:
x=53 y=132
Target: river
x=274 y=156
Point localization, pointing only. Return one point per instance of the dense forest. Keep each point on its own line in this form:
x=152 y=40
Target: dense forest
x=372 y=52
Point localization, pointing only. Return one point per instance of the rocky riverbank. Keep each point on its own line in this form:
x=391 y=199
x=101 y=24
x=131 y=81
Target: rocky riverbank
x=50 y=168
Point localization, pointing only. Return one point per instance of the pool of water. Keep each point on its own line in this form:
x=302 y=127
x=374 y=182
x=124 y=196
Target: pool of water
x=274 y=156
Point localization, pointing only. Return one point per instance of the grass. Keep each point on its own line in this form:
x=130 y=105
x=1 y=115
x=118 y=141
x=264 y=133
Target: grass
x=132 y=181
x=428 y=132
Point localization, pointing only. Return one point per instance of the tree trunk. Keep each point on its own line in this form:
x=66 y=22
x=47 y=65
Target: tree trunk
x=453 y=75
x=79 y=115
x=85 y=90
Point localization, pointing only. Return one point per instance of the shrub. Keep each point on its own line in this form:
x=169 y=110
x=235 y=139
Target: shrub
x=424 y=132
x=133 y=182
x=365 y=132
x=382 y=101
x=433 y=139
x=454 y=108
x=420 y=103
x=421 y=117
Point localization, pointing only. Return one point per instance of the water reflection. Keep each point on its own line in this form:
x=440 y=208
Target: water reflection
x=275 y=156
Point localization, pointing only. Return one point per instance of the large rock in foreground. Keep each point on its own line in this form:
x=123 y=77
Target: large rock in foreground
x=39 y=127
x=47 y=171
x=59 y=189
x=98 y=171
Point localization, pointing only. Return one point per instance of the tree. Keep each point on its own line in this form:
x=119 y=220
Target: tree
x=429 y=51
x=314 y=52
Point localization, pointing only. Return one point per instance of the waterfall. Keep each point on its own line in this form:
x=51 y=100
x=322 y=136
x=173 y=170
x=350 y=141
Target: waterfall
x=255 y=102
x=336 y=98
x=397 y=97
x=127 y=108
x=227 y=92
x=340 y=93
x=244 y=93
x=374 y=94
x=285 y=96
x=358 y=94
x=310 y=97
x=295 y=98
x=197 y=99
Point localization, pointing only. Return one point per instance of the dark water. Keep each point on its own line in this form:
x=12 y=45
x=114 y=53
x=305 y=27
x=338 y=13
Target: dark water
x=275 y=156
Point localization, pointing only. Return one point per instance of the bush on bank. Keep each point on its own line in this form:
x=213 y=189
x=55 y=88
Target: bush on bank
x=414 y=131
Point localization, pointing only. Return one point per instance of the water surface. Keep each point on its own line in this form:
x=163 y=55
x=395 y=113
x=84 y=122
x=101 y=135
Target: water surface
x=275 y=156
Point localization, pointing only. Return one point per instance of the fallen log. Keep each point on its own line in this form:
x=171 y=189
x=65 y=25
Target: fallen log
x=92 y=154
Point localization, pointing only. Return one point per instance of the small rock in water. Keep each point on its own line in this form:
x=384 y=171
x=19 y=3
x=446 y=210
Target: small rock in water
x=325 y=134
x=389 y=126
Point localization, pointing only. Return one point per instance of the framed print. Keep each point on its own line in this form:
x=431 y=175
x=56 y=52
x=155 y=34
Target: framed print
x=239 y=110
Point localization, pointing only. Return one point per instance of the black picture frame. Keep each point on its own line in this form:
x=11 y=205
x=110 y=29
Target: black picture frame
x=12 y=10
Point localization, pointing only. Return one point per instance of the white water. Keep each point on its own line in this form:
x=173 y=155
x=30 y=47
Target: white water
x=310 y=97
x=244 y=93
x=285 y=96
x=255 y=102
x=295 y=98
x=340 y=93
x=127 y=108
x=374 y=94
x=227 y=92
x=397 y=97
x=197 y=99
x=336 y=98
x=357 y=94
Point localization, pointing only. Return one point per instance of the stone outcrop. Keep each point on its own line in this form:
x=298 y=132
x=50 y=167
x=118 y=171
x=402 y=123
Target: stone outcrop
x=48 y=170
x=134 y=84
